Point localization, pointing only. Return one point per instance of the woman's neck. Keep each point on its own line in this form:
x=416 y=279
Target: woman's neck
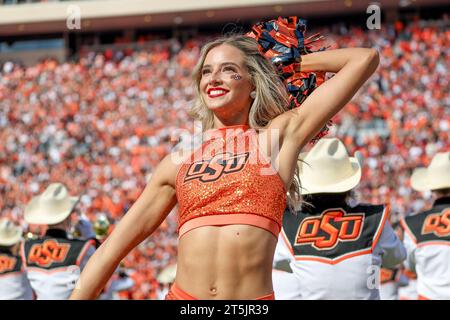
x=222 y=123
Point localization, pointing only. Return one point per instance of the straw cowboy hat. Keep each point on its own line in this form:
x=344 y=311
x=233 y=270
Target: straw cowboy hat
x=434 y=177
x=327 y=168
x=53 y=206
x=10 y=234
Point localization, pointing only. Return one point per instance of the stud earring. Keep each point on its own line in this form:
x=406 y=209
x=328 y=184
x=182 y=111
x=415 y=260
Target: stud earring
x=253 y=94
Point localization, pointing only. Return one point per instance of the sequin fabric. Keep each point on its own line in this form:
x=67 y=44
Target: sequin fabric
x=228 y=175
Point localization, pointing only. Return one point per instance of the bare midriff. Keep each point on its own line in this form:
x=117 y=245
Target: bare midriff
x=226 y=262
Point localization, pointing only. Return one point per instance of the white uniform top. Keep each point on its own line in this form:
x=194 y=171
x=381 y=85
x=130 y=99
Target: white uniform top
x=14 y=284
x=427 y=241
x=389 y=291
x=408 y=292
x=54 y=263
x=285 y=285
x=337 y=253
x=161 y=293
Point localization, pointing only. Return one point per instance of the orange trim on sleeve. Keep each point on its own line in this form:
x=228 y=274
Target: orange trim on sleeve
x=22 y=254
x=229 y=219
x=52 y=271
x=434 y=243
x=381 y=226
x=335 y=261
x=407 y=230
x=84 y=251
x=11 y=274
x=286 y=241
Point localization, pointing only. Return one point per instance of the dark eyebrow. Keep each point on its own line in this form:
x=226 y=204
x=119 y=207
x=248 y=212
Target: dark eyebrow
x=222 y=64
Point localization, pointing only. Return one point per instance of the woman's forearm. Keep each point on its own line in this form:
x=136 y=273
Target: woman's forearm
x=95 y=275
x=146 y=214
x=131 y=230
x=335 y=60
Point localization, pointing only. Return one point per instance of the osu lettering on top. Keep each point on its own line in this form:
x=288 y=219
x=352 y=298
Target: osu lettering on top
x=48 y=252
x=214 y=168
x=325 y=231
x=7 y=263
x=437 y=223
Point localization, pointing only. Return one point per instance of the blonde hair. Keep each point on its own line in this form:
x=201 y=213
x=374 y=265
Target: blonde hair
x=271 y=99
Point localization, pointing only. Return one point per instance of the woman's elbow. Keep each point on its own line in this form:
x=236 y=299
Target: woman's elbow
x=373 y=59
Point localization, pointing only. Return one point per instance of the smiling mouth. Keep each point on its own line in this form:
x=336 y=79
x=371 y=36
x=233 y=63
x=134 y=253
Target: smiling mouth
x=216 y=93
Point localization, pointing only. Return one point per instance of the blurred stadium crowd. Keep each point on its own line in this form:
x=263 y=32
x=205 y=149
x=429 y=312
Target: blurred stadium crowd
x=100 y=126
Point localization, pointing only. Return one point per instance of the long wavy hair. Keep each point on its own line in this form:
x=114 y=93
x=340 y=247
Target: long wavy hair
x=272 y=98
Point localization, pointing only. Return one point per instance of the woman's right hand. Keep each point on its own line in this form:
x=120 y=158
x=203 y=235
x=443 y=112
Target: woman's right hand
x=146 y=214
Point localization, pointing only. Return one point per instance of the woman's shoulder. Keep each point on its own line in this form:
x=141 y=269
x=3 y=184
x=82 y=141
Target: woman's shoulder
x=173 y=160
x=166 y=171
x=281 y=121
x=180 y=153
x=277 y=127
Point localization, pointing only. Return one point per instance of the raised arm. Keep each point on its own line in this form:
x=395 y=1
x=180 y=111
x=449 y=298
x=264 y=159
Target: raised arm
x=353 y=66
x=146 y=214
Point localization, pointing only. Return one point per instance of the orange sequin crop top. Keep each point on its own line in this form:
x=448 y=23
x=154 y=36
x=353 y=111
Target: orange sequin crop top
x=229 y=181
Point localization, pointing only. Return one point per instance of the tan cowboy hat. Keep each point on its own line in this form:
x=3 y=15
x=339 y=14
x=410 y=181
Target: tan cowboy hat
x=168 y=274
x=327 y=168
x=10 y=234
x=434 y=177
x=51 y=207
